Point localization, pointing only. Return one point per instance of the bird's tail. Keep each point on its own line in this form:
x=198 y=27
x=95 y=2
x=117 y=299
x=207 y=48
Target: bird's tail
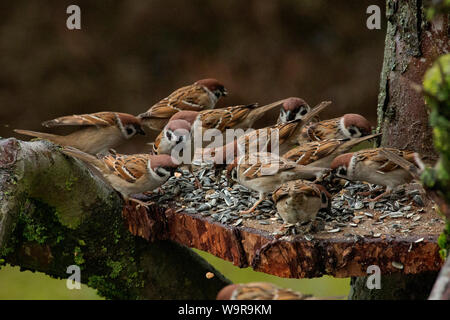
x=52 y=137
x=74 y=152
x=258 y=112
x=309 y=116
x=405 y=164
x=307 y=172
x=353 y=142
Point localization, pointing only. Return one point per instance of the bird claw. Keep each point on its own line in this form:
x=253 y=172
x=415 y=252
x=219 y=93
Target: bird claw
x=142 y=203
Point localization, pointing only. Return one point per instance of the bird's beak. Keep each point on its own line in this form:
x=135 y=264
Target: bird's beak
x=224 y=92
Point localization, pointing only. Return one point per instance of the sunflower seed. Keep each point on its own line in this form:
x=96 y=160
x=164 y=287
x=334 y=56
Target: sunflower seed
x=418 y=200
x=334 y=230
x=204 y=206
x=397 y=265
x=309 y=237
x=359 y=205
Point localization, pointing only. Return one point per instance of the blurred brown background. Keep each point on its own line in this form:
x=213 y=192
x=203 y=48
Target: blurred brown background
x=130 y=54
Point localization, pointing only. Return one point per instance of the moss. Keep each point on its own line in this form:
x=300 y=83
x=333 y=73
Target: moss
x=78 y=256
x=444 y=241
x=116 y=267
x=70 y=182
x=436 y=86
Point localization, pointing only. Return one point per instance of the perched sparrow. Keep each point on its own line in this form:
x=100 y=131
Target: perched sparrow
x=300 y=200
x=235 y=117
x=322 y=153
x=264 y=172
x=284 y=135
x=259 y=291
x=176 y=132
x=293 y=109
x=201 y=95
x=346 y=127
x=372 y=166
x=130 y=174
x=101 y=131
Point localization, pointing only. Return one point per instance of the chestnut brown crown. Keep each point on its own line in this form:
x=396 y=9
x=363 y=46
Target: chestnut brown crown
x=341 y=161
x=214 y=86
x=358 y=121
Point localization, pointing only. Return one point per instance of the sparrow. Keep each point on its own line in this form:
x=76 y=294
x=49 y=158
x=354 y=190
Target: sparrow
x=201 y=95
x=130 y=174
x=259 y=291
x=348 y=126
x=322 y=153
x=234 y=117
x=373 y=166
x=99 y=131
x=293 y=109
x=300 y=200
x=176 y=133
x=284 y=135
x=264 y=172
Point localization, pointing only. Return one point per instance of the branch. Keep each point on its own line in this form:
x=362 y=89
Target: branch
x=54 y=213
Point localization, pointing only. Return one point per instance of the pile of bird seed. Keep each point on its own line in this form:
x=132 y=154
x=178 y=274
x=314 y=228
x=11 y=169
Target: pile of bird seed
x=351 y=214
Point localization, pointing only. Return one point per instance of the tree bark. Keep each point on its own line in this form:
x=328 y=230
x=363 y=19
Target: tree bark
x=54 y=213
x=412 y=45
x=394 y=287
x=441 y=288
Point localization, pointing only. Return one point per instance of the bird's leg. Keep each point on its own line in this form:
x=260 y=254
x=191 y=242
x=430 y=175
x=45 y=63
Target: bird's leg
x=141 y=203
x=197 y=182
x=387 y=192
x=370 y=192
x=262 y=197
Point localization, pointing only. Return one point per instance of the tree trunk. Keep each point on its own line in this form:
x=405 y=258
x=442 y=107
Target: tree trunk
x=412 y=45
x=394 y=287
x=54 y=213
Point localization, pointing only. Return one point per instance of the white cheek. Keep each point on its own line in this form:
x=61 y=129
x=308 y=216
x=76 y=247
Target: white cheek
x=343 y=129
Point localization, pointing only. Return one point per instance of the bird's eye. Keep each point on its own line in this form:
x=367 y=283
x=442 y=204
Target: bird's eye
x=303 y=112
x=169 y=135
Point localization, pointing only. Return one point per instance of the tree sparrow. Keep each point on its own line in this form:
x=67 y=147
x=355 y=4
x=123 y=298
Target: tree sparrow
x=259 y=291
x=100 y=131
x=322 y=153
x=372 y=166
x=176 y=133
x=346 y=127
x=235 y=117
x=293 y=109
x=264 y=172
x=300 y=200
x=286 y=135
x=201 y=95
x=130 y=174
